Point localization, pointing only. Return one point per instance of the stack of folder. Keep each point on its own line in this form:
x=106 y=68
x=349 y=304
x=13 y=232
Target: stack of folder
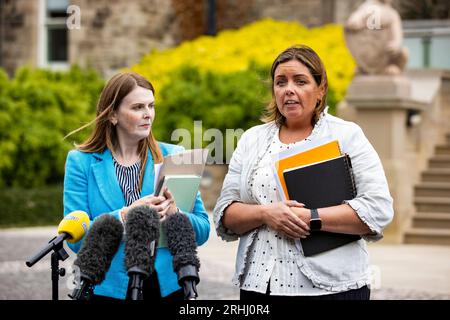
x=181 y=173
x=319 y=176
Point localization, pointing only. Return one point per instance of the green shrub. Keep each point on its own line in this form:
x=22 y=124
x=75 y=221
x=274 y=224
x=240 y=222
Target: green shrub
x=31 y=207
x=37 y=109
x=233 y=100
x=222 y=101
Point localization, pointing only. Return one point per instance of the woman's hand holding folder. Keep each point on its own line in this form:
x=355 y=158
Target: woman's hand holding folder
x=279 y=217
x=164 y=204
x=171 y=206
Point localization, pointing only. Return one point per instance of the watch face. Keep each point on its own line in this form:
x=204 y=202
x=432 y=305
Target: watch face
x=315 y=224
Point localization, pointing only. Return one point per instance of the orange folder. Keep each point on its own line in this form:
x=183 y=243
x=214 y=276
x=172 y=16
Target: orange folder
x=323 y=152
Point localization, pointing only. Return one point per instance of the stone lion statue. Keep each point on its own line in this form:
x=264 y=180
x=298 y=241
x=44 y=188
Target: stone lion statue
x=374 y=37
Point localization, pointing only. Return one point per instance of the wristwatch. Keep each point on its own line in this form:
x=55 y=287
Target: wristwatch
x=315 y=223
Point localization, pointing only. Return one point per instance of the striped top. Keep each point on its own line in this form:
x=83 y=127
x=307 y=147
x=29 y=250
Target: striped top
x=273 y=259
x=128 y=178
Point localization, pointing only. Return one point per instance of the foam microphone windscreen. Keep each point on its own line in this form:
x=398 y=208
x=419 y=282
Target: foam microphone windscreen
x=75 y=224
x=142 y=233
x=181 y=241
x=99 y=247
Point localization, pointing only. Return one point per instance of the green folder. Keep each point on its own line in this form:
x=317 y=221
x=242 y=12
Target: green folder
x=184 y=188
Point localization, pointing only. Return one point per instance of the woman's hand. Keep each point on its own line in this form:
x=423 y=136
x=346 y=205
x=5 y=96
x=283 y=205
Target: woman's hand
x=279 y=217
x=303 y=213
x=156 y=203
x=169 y=203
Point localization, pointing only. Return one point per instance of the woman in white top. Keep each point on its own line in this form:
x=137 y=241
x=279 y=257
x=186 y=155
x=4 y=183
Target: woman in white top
x=269 y=265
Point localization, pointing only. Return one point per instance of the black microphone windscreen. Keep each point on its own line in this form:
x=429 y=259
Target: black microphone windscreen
x=181 y=241
x=142 y=233
x=99 y=247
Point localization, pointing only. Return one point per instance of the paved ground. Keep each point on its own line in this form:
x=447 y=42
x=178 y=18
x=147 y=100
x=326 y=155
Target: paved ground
x=400 y=271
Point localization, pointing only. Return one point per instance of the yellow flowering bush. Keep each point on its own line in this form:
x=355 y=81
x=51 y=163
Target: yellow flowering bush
x=260 y=42
x=224 y=81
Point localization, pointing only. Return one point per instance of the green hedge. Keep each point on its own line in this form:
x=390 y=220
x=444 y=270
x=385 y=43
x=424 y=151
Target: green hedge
x=31 y=207
x=222 y=101
x=37 y=109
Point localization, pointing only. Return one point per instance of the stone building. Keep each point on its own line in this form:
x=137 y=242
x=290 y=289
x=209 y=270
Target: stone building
x=111 y=34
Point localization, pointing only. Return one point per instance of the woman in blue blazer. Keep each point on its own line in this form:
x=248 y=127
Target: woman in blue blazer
x=114 y=171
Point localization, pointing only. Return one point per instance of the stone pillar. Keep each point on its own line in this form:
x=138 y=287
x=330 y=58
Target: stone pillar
x=380 y=106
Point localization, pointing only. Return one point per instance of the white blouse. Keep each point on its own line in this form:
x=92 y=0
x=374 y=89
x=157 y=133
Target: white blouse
x=340 y=269
x=272 y=255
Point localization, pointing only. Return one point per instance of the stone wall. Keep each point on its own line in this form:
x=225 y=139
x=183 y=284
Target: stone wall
x=307 y=12
x=115 y=34
x=343 y=9
x=235 y=13
x=18 y=33
x=190 y=19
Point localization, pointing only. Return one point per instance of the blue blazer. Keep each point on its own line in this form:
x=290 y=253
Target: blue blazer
x=91 y=185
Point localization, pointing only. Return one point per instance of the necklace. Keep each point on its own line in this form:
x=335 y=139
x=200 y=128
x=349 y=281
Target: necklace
x=289 y=137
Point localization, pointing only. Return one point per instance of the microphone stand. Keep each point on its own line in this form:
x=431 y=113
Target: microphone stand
x=59 y=254
x=188 y=279
x=84 y=289
x=190 y=290
x=136 y=282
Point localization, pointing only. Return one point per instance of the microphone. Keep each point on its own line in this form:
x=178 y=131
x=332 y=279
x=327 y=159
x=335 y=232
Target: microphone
x=96 y=254
x=72 y=228
x=183 y=247
x=142 y=233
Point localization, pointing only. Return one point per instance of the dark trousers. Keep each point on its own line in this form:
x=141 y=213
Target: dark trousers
x=362 y=293
x=150 y=292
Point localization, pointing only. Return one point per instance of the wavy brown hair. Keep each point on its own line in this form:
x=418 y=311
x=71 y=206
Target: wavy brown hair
x=309 y=58
x=104 y=134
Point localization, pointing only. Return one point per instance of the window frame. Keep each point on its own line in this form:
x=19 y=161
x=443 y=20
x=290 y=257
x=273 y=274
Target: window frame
x=45 y=23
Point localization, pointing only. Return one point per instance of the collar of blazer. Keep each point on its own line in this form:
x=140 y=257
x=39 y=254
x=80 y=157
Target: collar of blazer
x=105 y=176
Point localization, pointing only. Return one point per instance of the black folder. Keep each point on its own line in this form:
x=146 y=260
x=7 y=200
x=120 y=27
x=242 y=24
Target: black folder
x=321 y=185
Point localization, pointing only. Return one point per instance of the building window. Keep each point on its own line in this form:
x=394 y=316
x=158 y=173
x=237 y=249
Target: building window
x=57 y=30
x=428 y=43
x=54 y=34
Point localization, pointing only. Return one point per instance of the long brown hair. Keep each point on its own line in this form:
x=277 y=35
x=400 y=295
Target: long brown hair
x=309 y=58
x=104 y=134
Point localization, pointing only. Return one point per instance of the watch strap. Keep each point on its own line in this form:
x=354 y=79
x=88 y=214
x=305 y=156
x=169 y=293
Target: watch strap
x=314 y=214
